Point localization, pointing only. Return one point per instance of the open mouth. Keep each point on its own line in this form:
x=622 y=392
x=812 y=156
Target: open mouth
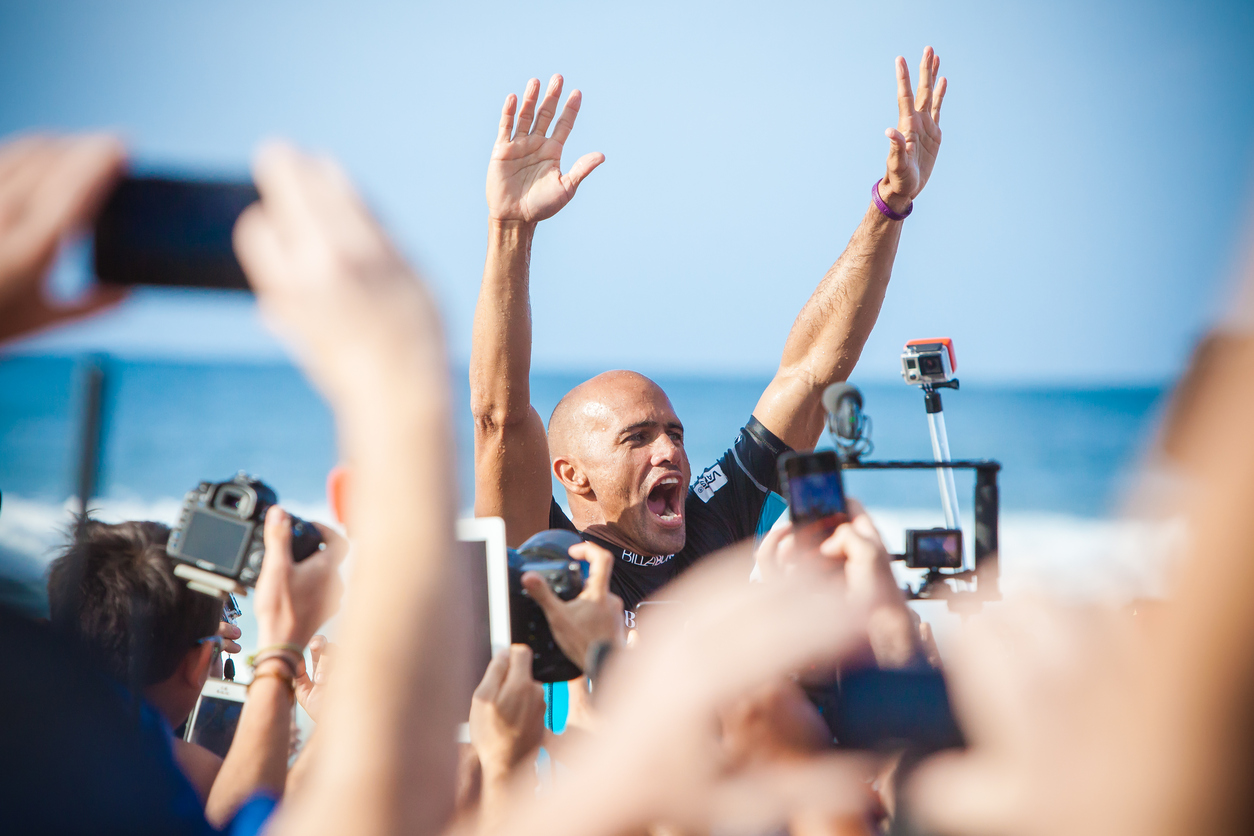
x=665 y=501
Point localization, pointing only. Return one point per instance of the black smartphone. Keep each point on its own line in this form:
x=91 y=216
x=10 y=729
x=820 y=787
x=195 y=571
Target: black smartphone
x=884 y=708
x=172 y=233
x=815 y=493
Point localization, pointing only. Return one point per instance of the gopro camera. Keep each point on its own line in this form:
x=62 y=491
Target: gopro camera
x=929 y=362
x=219 y=539
x=934 y=548
x=548 y=555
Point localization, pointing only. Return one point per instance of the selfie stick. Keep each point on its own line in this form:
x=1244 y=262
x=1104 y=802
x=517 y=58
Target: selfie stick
x=940 y=451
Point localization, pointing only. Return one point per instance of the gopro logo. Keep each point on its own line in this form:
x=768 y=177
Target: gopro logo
x=709 y=483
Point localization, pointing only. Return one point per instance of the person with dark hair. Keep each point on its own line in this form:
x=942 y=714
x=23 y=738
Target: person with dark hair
x=114 y=589
x=127 y=581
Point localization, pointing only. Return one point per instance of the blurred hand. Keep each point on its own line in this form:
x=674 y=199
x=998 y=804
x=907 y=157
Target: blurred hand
x=1058 y=709
x=506 y=713
x=916 y=140
x=329 y=280
x=525 y=180
x=856 y=551
x=50 y=187
x=595 y=615
x=661 y=702
x=293 y=600
x=229 y=632
x=311 y=684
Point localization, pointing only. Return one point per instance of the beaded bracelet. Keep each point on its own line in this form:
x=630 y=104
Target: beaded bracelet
x=291 y=686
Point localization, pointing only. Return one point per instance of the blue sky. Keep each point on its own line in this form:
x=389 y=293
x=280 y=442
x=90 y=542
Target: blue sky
x=1086 y=213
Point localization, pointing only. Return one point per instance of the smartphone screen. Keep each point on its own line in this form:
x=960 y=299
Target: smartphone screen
x=162 y=231
x=214 y=724
x=815 y=493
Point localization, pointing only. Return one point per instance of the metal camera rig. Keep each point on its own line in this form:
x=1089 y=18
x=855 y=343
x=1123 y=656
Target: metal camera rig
x=930 y=364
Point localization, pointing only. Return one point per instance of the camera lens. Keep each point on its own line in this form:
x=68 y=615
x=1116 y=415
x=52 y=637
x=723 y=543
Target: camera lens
x=930 y=364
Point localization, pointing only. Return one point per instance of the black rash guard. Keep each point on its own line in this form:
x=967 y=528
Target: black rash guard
x=722 y=508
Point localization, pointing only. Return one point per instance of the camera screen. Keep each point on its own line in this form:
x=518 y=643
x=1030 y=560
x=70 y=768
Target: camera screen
x=214 y=540
x=815 y=495
x=940 y=550
x=215 y=724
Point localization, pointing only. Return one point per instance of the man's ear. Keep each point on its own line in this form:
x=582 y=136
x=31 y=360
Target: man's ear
x=338 y=483
x=572 y=477
x=195 y=665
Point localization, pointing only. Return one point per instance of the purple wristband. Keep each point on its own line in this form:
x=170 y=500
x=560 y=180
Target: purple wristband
x=884 y=207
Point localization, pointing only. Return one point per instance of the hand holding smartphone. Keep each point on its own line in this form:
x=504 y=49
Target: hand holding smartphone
x=170 y=232
x=815 y=493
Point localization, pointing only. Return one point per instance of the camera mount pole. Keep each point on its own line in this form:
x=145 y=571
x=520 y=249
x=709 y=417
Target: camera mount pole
x=940 y=451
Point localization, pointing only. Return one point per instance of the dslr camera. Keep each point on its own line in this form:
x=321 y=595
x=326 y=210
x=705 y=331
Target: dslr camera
x=929 y=362
x=548 y=555
x=218 y=542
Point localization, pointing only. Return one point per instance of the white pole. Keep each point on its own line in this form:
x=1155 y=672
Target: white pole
x=944 y=475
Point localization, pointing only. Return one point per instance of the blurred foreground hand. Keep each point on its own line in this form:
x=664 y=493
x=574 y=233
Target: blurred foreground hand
x=50 y=188
x=660 y=705
x=1066 y=725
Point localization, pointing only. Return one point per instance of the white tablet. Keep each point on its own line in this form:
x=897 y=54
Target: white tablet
x=486 y=563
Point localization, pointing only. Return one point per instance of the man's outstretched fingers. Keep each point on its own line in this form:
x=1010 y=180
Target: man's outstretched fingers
x=548 y=107
x=528 y=110
x=905 y=97
x=600 y=567
x=923 y=97
x=941 y=86
x=507 y=119
x=582 y=168
x=566 y=121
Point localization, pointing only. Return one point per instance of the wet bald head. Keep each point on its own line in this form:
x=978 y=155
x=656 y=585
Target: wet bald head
x=599 y=405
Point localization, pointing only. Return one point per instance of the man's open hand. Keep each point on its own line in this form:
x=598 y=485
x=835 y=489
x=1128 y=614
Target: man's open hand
x=916 y=139
x=50 y=188
x=525 y=180
x=596 y=615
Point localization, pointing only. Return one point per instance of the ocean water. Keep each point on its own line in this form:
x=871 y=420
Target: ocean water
x=1066 y=453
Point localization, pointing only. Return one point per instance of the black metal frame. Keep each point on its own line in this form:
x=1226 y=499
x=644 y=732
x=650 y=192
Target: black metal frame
x=987 y=571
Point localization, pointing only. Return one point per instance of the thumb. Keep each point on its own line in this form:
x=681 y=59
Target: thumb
x=542 y=595
x=582 y=168
x=278 y=543
x=897 y=149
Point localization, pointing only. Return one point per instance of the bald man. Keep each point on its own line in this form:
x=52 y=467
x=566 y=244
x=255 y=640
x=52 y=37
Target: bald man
x=614 y=442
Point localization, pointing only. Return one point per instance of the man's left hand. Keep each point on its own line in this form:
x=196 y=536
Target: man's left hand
x=916 y=139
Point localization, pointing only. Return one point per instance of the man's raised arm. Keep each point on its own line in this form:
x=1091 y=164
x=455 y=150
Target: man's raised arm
x=831 y=329
x=525 y=186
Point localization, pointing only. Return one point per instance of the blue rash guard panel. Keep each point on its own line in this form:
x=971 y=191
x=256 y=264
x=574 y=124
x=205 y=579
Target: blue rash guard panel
x=722 y=508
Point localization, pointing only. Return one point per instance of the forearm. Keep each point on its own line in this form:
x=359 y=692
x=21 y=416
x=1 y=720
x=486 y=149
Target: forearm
x=385 y=766
x=500 y=355
x=827 y=337
x=257 y=760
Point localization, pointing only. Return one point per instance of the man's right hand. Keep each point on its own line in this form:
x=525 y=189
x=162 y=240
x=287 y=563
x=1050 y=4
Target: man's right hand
x=294 y=599
x=506 y=713
x=525 y=180
x=595 y=615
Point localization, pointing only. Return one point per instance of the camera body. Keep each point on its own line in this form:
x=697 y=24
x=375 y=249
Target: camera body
x=929 y=362
x=934 y=548
x=548 y=555
x=221 y=529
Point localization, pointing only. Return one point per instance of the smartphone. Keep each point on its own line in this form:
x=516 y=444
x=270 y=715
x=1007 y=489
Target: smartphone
x=216 y=715
x=170 y=232
x=815 y=493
